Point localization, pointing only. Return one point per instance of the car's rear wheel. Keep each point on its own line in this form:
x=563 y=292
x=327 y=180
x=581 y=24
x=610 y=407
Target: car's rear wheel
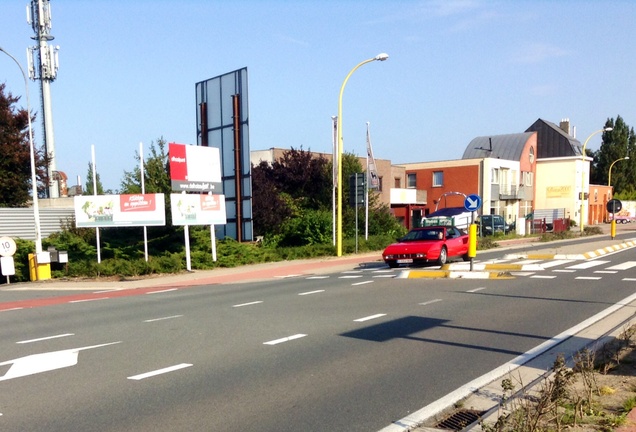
x=465 y=257
x=443 y=256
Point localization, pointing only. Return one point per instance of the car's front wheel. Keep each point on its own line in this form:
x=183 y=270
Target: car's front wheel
x=392 y=264
x=443 y=256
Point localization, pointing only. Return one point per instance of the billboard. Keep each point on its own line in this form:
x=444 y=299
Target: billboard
x=223 y=123
x=92 y=211
x=195 y=168
x=197 y=209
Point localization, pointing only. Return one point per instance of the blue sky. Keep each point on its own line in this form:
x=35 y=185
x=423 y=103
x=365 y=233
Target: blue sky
x=457 y=69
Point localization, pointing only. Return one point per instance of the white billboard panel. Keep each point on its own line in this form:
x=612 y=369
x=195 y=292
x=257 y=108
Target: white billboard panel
x=93 y=211
x=197 y=209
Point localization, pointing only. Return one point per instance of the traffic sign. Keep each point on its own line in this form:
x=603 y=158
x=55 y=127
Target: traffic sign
x=614 y=206
x=472 y=202
x=7 y=246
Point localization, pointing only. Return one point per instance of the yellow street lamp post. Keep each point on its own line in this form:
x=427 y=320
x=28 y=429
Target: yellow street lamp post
x=583 y=156
x=34 y=189
x=379 y=57
x=609 y=183
x=609 y=177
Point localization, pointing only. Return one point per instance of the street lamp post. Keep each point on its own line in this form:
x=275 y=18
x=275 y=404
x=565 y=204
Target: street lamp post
x=609 y=177
x=34 y=188
x=609 y=183
x=379 y=57
x=607 y=129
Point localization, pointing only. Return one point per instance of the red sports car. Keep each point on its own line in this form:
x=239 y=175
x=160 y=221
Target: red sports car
x=428 y=244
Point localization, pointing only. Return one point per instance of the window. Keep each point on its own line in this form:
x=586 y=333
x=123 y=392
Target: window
x=494 y=176
x=379 y=184
x=531 y=155
x=411 y=180
x=527 y=178
x=438 y=178
x=397 y=182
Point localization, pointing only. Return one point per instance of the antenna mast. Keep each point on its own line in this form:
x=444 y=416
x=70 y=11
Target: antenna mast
x=43 y=65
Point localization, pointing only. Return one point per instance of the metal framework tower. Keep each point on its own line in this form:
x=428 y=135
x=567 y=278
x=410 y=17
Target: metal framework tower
x=43 y=65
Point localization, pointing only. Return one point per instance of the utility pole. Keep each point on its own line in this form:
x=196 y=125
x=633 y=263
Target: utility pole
x=43 y=65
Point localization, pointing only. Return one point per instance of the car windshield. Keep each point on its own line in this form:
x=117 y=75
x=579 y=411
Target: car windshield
x=424 y=234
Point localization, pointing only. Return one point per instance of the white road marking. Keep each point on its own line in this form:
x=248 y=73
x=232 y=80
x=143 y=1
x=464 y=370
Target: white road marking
x=588 y=277
x=392 y=275
x=362 y=283
x=352 y=271
x=288 y=276
x=12 y=309
x=162 y=318
x=476 y=289
x=46 y=338
x=623 y=266
x=44 y=362
x=248 y=304
x=162 y=291
x=522 y=273
x=564 y=271
x=588 y=264
x=310 y=292
x=318 y=277
x=542 y=277
x=350 y=277
x=430 y=302
x=527 y=261
x=629 y=279
x=159 y=371
x=285 y=339
x=606 y=271
x=369 y=317
x=88 y=300
x=555 y=263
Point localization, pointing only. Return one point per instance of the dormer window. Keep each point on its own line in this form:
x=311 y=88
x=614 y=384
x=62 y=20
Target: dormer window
x=531 y=155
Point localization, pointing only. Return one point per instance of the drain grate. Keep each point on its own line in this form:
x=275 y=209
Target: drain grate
x=460 y=419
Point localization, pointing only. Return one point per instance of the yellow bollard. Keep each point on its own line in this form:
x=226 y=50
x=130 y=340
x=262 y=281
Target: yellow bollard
x=613 y=229
x=38 y=271
x=472 y=240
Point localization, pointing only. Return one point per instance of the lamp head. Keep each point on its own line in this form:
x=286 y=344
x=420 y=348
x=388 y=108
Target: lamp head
x=382 y=56
x=608 y=129
x=626 y=157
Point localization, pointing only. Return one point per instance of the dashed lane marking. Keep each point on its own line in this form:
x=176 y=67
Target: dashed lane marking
x=370 y=317
x=285 y=339
x=159 y=371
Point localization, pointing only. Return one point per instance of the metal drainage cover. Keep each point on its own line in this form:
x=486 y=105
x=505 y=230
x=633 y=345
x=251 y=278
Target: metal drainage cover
x=459 y=420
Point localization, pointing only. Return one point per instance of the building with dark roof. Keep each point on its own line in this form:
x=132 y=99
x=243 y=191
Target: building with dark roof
x=555 y=141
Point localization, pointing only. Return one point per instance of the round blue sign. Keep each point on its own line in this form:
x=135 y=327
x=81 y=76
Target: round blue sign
x=472 y=202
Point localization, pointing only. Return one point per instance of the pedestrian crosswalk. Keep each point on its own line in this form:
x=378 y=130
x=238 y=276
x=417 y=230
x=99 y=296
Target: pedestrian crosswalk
x=551 y=268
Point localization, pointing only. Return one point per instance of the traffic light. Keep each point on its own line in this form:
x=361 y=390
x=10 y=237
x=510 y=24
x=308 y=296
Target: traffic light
x=357 y=189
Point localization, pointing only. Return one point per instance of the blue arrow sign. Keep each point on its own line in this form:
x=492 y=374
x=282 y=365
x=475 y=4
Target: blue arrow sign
x=472 y=202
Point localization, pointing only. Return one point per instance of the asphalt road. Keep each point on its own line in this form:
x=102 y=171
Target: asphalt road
x=346 y=351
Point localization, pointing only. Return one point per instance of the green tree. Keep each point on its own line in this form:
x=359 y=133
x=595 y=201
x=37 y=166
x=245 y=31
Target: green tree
x=286 y=189
x=15 y=148
x=617 y=143
x=89 y=182
x=156 y=172
x=270 y=208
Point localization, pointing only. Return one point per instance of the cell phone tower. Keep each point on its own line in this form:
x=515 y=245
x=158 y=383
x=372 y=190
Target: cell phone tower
x=43 y=65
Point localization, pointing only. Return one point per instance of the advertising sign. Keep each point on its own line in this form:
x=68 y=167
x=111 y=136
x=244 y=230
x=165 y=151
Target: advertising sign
x=198 y=209
x=93 y=211
x=195 y=168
